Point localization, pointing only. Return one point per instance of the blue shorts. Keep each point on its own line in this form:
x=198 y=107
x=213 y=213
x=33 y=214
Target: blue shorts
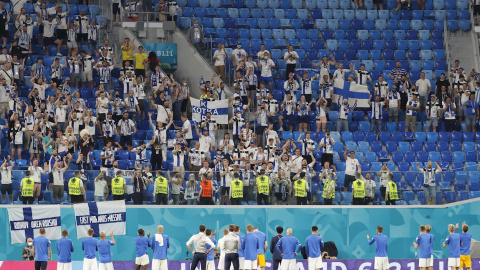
x=266 y=79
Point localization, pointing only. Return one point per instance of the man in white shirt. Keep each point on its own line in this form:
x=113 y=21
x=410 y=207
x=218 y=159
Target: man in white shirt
x=424 y=88
x=6 y=169
x=36 y=174
x=187 y=128
x=226 y=145
x=291 y=57
x=413 y=106
x=88 y=63
x=131 y=105
x=291 y=86
x=288 y=107
x=266 y=64
x=362 y=74
x=81 y=22
x=49 y=37
x=196 y=158
x=393 y=101
x=126 y=127
x=4 y=57
x=205 y=143
x=377 y=114
x=343 y=109
x=352 y=167
x=239 y=54
x=306 y=85
x=58 y=180
x=429 y=185
x=179 y=158
x=433 y=112
x=219 y=57
x=326 y=146
x=381 y=88
x=340 y=72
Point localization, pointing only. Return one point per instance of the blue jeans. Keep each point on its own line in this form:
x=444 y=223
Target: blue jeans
x=100 y=198
x=342 y=123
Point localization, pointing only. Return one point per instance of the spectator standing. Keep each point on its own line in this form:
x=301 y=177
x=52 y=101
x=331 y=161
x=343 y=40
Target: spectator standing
x=291 y=57
x=176 y=183
x=239 y=54
x=101 y=188
x=42 y=250
x=424 y=89
x=344 y=108
x=127 y=51
x=196 y=36
x=58 y=183
x=441 y=82
x=116 y=8
x=87 y=71
x=433 y=111
x=393 y=101
x=220 y=56
x=4 y=19
x=6 y=172
x=370 y=189
x=471 y=113
x=362 y=74
x=413 y=106
x=384 y=174
x=352 y=166
x=140 y=62
x=81 y=22
x=266 y=65
x=429 y=181
x=449 y=113
x=277 y=256
x=377 y=113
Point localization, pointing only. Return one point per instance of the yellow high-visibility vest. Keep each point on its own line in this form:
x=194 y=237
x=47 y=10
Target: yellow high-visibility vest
x=326 y=188
x=263 y=185
x=162 y=185
x=392 y=193
x=117 y=186
x=74 y=186
x=300 y=188
x=237 y=188
x=27 y=187
x=358 y=189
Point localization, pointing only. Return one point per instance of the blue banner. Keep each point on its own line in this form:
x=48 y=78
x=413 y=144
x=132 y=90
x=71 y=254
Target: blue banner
x=166 y=54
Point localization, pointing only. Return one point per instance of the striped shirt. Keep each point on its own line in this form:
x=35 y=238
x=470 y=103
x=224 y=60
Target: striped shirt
x=398 y=72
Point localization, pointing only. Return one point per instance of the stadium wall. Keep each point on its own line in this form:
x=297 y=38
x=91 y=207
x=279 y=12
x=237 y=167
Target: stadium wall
x=347 y=226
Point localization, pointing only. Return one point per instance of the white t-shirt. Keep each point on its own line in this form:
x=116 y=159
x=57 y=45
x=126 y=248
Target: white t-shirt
x=35 y=174
x=205 y=142
x=293 y=57
x=239 y=53
x=422 y=86
x=351 y=166
x=187 y=125
x=58 y=177
x=103 y=105
x=6 y=175
x=221 y=56
x=266 y=69
x=328 y=148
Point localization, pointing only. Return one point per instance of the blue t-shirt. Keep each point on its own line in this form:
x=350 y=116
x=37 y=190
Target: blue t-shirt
x=289 y=245
x=466 y=239
x=424 y=242
x=160 y=252
x=141 y=243
x=250 y=247
x=453 y=242
x=262 y=238
x=104 y=254
x=240 y=251
x=41 y=244
x=313 y=246
x=65 y=249
x=89 y=245
x=433 y=241
x=381 y=244
x=208 y=247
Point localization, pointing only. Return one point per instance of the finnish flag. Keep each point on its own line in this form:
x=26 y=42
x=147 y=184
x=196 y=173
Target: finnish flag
x=26 y=222
x=218 y=109
x=353 y=91
x=101 y=217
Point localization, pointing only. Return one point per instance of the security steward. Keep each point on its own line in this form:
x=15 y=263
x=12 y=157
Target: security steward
x=26 y=186
x=358 y=188
x=236 y=190
x=76 y=189
x=301 y=190
x=391 y=195
x=161 y=190
x=329 y=190
x=119 y=186
x=262 y=188
x=206 y=192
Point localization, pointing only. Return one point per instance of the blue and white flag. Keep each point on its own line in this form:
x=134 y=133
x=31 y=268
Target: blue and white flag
x=26 y=222
x=353 y=91
x=218 y=109
x=101 y=217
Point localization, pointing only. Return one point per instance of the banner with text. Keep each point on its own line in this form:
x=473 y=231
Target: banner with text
x=166 y=54
x=26 y=222
x=218 y=109
x=101 y=217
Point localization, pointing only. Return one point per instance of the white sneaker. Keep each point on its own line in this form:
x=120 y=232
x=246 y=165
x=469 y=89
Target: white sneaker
x=59 y=54
x=280 y=129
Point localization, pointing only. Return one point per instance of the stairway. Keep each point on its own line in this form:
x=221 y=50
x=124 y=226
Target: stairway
x=461 y=46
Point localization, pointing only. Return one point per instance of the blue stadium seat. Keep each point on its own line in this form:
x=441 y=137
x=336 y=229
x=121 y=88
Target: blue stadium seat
x=452 y=25
x=460 y=176
x=465 y=25
x=471 y=156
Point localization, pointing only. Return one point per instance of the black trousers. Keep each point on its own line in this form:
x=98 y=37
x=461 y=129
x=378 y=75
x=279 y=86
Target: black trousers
x=161 y=199
x=206 y=201
x=28 y=200
x=236 y=201
x=231 y=258
x=276 y=264
x=327 y=201
x=383 y=190
x=391 y=202
x=137 y=198
x=199 y=257
x=262 y=198
x=449 y=124
x=40 y=265
x=156 y=161
x=290 y=68
x=358 y=201
x=118 y=197
x=301 y=200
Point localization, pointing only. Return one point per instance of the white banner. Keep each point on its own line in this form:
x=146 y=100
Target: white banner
x=218 y=109
x=101 y=217
x=26 y=222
